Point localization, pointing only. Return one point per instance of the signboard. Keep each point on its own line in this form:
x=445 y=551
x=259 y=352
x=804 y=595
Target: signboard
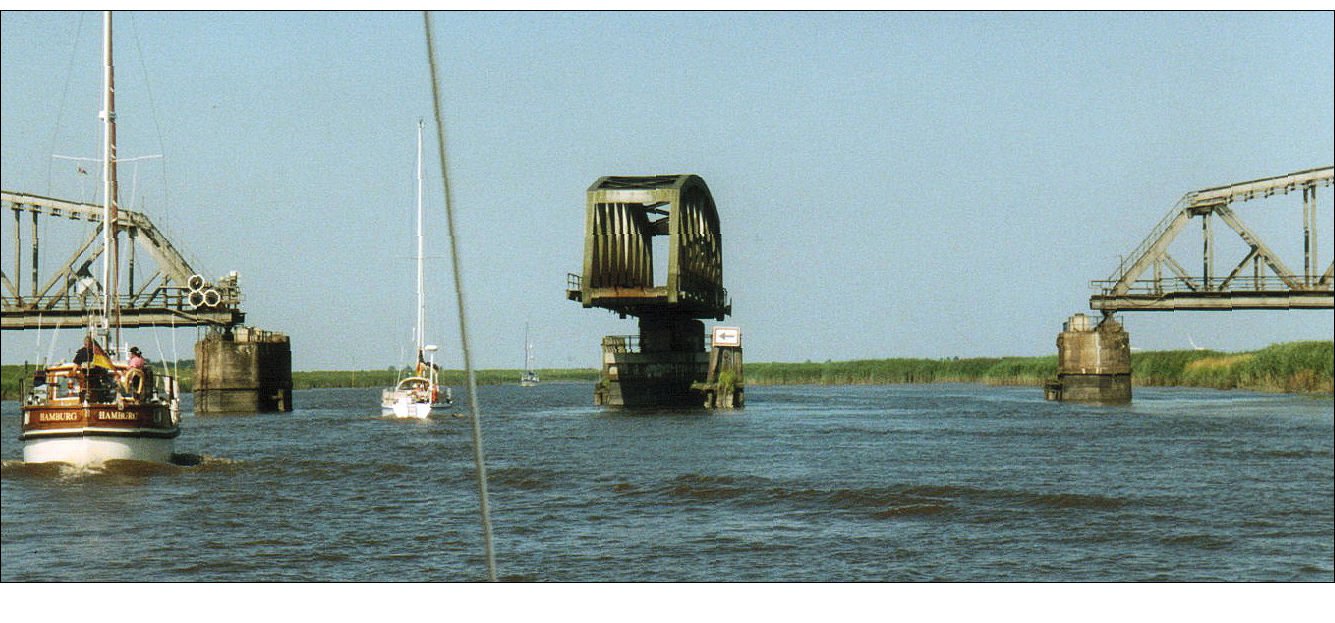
x=726 y=336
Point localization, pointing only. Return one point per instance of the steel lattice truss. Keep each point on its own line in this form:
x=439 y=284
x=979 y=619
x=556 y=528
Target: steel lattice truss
x=623 y=216
x=173 y=295
x=1270 y=284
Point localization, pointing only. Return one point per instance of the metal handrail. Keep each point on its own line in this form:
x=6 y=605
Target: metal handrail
x=631 y=343
x=1265 y=283
x=170 y=297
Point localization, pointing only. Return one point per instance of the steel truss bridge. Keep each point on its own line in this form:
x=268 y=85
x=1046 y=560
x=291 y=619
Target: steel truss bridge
x=65 y=296
x=1152 y=280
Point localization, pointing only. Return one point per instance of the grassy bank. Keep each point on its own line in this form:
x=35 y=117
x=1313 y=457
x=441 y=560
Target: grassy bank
x=997 y=370
x=9 y=377
x=386 y=378
x=1288 y=367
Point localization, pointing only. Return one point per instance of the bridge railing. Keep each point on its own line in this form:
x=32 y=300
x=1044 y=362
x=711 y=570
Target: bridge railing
x=1129 y=260
x=1170 y=285
x=631 y=343
x=159 y=298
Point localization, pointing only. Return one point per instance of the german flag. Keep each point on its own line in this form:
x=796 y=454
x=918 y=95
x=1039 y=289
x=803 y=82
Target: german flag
x=100 y=358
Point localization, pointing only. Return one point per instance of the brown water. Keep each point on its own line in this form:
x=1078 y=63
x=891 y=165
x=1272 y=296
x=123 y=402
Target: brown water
x=861 y=483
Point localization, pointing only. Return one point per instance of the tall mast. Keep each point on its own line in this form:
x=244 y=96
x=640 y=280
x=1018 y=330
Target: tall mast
x=421 y=301
x=110 y=238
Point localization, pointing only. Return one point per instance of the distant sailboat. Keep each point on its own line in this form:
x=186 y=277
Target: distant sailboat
x=414 y=396
x=97 y=408
x=529 y=378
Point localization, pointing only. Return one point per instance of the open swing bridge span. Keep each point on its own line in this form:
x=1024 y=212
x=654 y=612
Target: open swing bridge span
x=66 y=294
x=1150 y=279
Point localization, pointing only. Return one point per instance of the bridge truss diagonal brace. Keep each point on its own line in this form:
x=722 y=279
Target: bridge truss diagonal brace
x=1259 y=248
x=1127 y=287
x=169 y=260
x=1156 y=251
x=166 y=298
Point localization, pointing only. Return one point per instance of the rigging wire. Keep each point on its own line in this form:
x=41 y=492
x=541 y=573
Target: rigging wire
x=153 y=112
x=478 y=459
x=60 y=111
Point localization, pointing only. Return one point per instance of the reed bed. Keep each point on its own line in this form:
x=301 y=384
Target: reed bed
x=1287 y=367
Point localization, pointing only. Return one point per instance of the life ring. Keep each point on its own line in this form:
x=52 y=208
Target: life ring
x=195 y=299
x=195 y=282
x=212 y=298
x=135 y=383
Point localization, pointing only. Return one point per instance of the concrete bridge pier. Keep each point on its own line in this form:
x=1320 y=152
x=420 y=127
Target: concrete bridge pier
x=725 y=384
x=243 y=370
x=1093 y=362
x=660 y=370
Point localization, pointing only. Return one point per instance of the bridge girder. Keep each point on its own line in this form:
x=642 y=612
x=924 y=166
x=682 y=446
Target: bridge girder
x=623 y=215
x=173 y=295
x=1275 y=287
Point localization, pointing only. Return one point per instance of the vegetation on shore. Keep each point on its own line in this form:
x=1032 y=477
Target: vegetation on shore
x=185 y=376
x=388 y=377
x=1287 y=367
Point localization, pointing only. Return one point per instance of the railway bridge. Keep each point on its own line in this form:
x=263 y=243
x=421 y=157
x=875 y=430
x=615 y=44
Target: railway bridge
x=237 y=368
x=1094 y=357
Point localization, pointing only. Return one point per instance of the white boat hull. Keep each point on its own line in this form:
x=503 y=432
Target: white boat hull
x=94 y=449
x=401 y=405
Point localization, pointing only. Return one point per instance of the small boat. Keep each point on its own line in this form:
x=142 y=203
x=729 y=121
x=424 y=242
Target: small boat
x=414 y=396
x=529 y=378
x=97 y=408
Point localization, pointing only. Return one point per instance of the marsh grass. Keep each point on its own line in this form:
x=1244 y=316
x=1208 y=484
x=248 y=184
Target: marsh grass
x=1285 y=367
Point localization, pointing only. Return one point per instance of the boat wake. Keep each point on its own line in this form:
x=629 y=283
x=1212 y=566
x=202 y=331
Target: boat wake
x=55 y=470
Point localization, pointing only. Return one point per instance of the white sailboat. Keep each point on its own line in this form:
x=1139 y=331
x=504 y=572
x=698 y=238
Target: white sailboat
x=530 y=377
x=414 y=395
x=98 y=407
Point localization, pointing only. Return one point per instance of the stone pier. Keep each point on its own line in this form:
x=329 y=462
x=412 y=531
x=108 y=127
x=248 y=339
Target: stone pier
x=244 y=370
x=1093 y=362
x=656 y=368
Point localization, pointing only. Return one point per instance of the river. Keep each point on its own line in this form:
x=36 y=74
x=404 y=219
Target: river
x=827 y=484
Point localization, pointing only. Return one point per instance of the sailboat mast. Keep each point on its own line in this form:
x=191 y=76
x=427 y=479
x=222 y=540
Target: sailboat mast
x=110 y=239
x=421 y=284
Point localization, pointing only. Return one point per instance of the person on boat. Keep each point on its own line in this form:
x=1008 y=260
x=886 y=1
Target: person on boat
x=85 y=353
x=136 y=359
x=100 y=382
x=137 y=362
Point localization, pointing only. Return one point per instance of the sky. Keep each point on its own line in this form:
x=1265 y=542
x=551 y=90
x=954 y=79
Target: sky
x=889 y=184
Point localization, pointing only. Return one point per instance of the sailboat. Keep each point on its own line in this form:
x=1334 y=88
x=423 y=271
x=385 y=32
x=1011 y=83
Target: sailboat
x=98 y=407
x=529 y=378
x=414 y=395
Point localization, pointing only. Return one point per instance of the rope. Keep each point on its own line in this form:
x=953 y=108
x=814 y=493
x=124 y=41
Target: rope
x=153 y=109
x=51 y=348
x=478 y=459
x=60 y=111
x=176 y=358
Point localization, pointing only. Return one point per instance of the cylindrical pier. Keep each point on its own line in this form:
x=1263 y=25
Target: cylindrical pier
x=1093 y=362
x=244 y=370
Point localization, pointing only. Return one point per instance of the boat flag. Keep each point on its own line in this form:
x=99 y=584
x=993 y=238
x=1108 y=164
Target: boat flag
x=100 y=358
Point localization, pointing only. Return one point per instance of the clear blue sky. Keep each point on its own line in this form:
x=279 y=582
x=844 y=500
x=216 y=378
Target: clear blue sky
x=889 y=184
